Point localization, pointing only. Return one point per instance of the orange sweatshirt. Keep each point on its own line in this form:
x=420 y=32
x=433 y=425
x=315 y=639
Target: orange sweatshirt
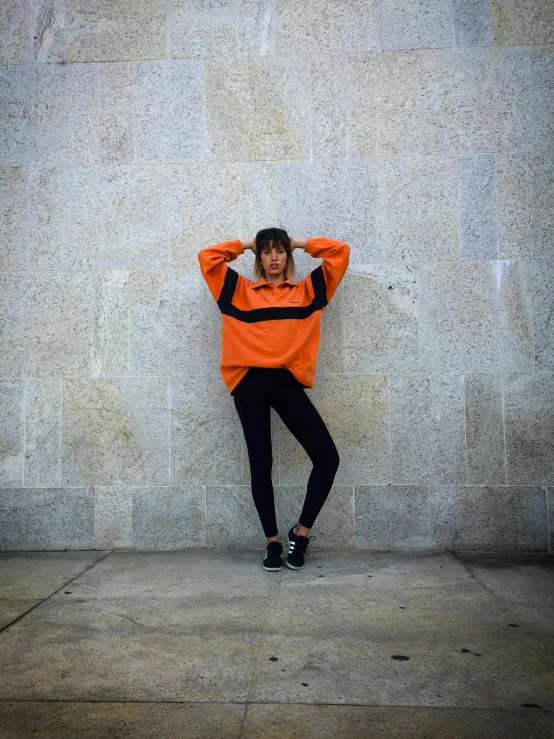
x=266 y=325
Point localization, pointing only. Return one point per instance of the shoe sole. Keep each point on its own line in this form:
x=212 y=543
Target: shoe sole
x=272 y=569
x=292 y=567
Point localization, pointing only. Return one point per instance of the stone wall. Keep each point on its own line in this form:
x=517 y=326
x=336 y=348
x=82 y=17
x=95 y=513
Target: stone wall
x=132 y=134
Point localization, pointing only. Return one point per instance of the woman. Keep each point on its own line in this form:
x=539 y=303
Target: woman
x=270 y=341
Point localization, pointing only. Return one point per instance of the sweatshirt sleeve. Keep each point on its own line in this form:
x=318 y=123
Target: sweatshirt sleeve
x=335 y=255
x=213 y=263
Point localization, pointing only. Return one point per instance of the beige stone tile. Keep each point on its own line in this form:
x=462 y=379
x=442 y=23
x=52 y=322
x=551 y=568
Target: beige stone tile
x=169 y=112
x=108 y=217
x=232 y=519
x=116 y=101
x=509 y=518
x=420 y=204
x=525 y=204
x=45 y=324
x=543 y=308
x=355 y=410
x=14 y=36
x=329 y=107
x=206 y=434
x=14 y=195
x=113 y=517
x=474 y=517
x=200 y=30
x=412 y=25
x=327 y=26
x=43 y=429
x=16 y=105
x=183 y=648
x=259 y=184
x=256 y=30
x=154 y=322
x=48 y=114
x=63 y=123
x=476 y=316
x=115 y=431
x=397 y=517
x=530 y=22
x=205 y=209
x=427 y=429
x=89 y=31
x=401 y=102
x=477 y=193
x=105 y=719
x=529 y=419
x=383 y=722
x=152 y=307
x=110 y=330
x=256 y=108
x=42 y=518
x=169 y=517
x=541 y=95
x=472 y=23
x=12 y=414
x=336 y=520
x=380 y=316
x=484 y=413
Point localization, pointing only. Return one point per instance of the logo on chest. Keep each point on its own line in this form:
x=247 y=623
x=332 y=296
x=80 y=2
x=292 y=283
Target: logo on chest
x=294 y=301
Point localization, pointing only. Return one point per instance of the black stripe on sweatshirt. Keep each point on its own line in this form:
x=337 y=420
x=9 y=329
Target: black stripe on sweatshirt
x=270 y=314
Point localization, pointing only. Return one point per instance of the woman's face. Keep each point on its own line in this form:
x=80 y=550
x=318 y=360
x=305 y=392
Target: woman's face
x=273 y=259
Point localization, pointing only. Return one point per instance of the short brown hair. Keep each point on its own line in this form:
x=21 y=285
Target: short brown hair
x=275 y=237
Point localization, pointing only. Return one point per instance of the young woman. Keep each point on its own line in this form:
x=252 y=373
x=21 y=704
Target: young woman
x=270 y=342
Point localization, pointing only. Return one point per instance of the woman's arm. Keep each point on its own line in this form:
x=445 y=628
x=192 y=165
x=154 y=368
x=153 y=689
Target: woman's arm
x=213 y=263
x=336 y=257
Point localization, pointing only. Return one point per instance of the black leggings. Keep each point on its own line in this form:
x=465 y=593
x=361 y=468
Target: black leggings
x=258 y=390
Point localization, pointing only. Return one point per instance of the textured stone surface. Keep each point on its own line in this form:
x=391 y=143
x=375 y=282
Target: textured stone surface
x=244 y=119
x=115 y=431
x=89 y=30
x=476 y=316
x=112 y=217
x=529 y=427
x=45 y=324
x=438 y=101
x=139 y=640
x=133 y=134
x=473 y=517
x=43 y=518
x=530 y=22
x=427 y=429
x=486 y=453
x=43 y=432
x=12 y=415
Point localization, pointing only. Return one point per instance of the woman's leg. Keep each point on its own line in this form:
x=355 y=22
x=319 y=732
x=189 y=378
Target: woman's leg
x=302 y=419
x=254 y=412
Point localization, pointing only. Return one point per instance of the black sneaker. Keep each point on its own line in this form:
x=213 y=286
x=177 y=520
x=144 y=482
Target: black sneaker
x=273 y=561
x=298 y=546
